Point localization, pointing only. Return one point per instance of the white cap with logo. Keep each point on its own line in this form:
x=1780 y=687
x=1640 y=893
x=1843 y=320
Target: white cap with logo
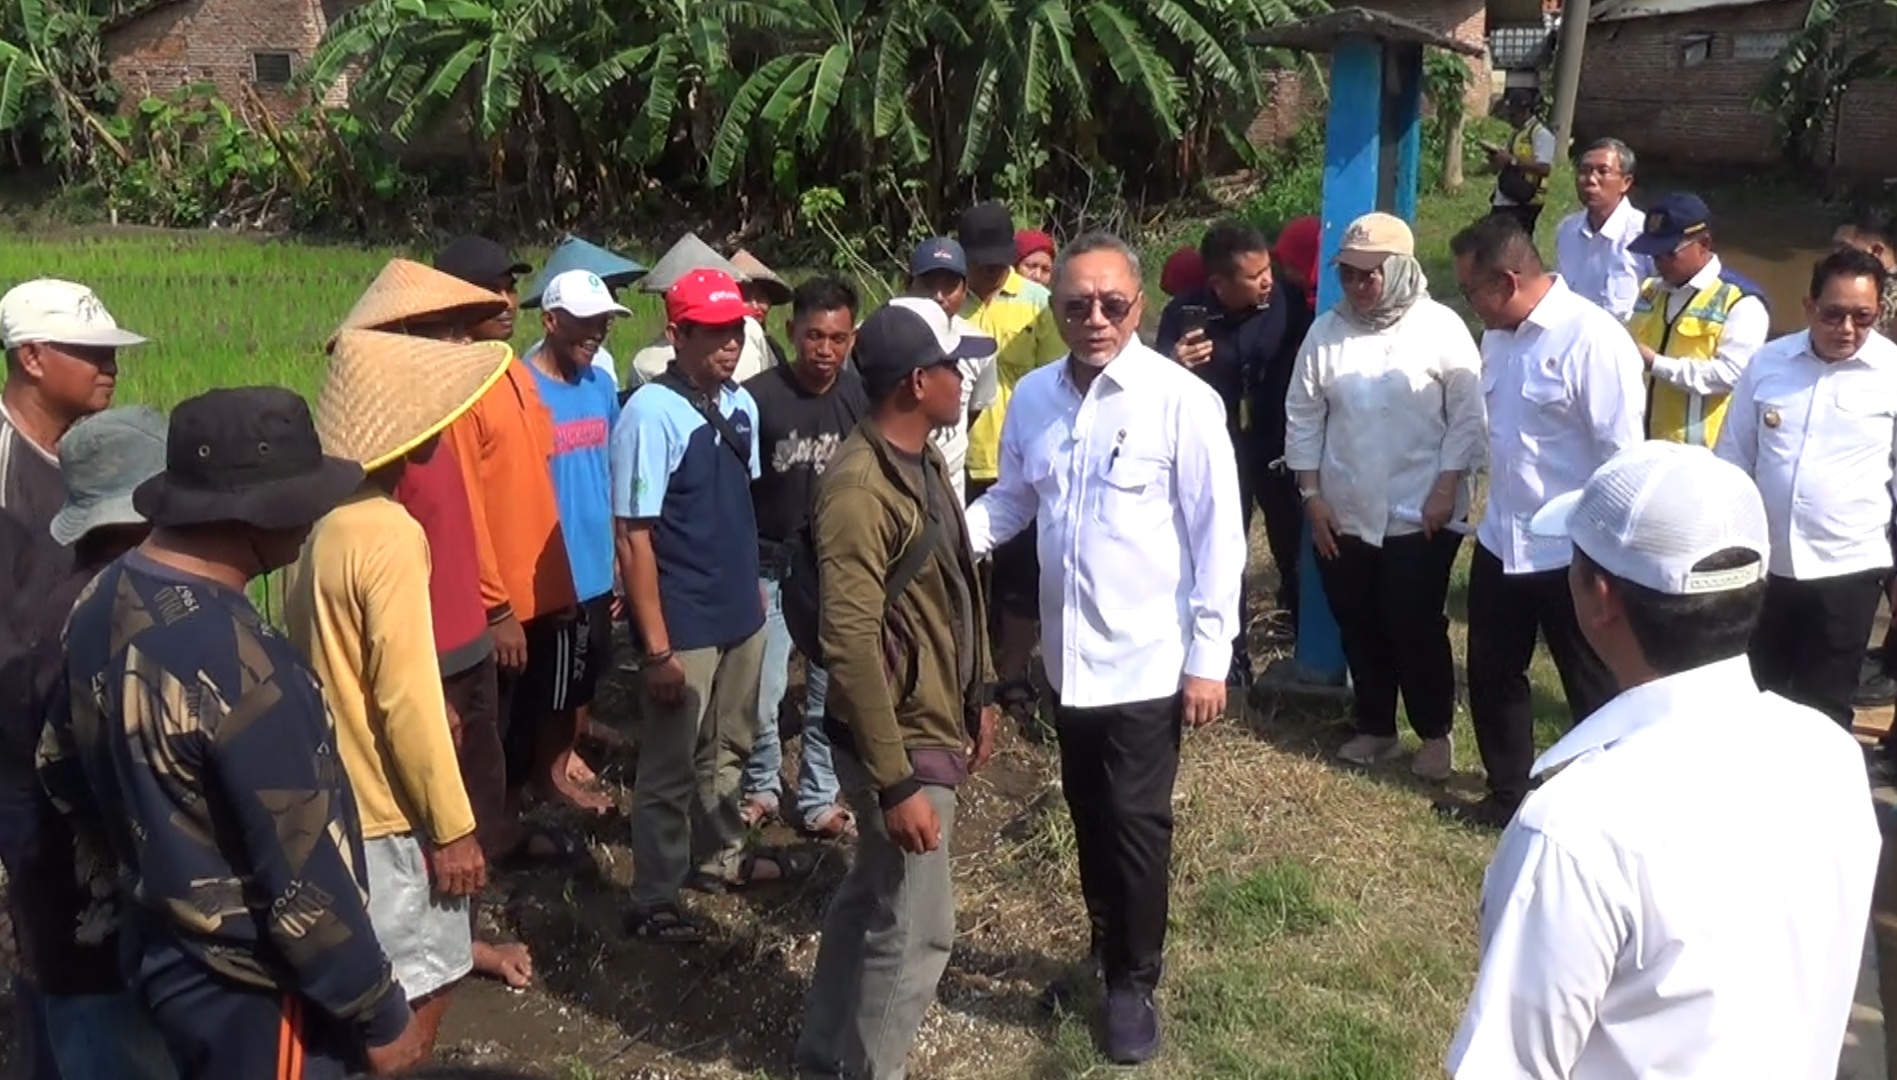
x=581 y=294
x=59 y=312
x=1656 y=510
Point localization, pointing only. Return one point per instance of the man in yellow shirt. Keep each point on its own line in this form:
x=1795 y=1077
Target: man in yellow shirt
x=1014 y=311
x=358 y=607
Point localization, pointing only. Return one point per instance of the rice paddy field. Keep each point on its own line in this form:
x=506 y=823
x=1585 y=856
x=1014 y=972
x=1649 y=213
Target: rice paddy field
x=224 y=310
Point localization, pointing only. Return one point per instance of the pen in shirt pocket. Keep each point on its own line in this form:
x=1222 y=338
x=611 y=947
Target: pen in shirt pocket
x=1118 y=440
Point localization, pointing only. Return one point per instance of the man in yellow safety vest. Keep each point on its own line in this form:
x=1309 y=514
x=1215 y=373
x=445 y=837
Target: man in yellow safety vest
x=1522 y=167
x=1697 y=322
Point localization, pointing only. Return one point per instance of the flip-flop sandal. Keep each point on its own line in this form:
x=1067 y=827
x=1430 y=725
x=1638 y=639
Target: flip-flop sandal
x=835 y=822
x=756 y=811
x=1018 y=698
x=792 y=867
x=665 y=925
x=566 y=848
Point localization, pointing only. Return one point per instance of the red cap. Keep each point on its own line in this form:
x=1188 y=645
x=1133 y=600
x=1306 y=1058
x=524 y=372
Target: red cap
x=1029 y=241
x=705 y=297
x=1297 y=246
x=1184 y=272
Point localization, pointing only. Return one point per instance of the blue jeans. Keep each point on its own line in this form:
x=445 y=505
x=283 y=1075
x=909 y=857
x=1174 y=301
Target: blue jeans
x=133 y=1049
x=817 y=788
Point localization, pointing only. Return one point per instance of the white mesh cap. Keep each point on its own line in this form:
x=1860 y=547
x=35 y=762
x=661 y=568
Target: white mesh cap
x=1656 y=510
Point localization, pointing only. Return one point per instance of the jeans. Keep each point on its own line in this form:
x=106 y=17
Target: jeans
x=133 y=1049
x=886 y=942
x=817 y=789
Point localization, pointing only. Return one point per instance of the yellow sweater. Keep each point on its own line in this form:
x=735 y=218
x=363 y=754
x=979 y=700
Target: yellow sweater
x=357 y=606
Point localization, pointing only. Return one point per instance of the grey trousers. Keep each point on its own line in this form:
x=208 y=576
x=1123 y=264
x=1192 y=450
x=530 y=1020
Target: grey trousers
x=691 y=759
x=886 y=942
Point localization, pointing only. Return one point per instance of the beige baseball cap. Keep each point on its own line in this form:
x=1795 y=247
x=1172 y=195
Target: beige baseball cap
x=1373 y=238
x=60 y=312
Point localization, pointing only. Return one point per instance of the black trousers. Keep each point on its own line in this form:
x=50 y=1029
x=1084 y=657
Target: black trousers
x=1274 y=493
x=1388 y=603
x=1117 y=766
x=1810 y=640
x=1506 y=611
x=1527 y=216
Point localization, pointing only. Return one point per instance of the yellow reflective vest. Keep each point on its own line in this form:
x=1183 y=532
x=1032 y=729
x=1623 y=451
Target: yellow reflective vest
x=1673 y=414
x=1521 y=147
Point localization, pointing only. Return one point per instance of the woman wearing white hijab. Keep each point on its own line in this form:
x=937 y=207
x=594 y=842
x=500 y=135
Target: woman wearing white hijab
x=1385 y=425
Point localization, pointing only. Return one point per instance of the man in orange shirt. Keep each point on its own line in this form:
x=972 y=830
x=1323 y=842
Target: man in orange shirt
x=504 y=445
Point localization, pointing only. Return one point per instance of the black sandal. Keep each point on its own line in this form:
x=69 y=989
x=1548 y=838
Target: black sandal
x=792 y=867
x=665 y=924
x=566 y=847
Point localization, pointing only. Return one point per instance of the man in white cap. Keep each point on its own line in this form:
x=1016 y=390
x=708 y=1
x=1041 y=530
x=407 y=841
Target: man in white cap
x=577 y=313
x=1647 y=913
x=62 y=363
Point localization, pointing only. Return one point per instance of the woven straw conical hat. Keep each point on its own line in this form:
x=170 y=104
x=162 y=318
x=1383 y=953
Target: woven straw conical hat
x=761 y=277
x=689 y=254
x=406 y=291
x=385 y=394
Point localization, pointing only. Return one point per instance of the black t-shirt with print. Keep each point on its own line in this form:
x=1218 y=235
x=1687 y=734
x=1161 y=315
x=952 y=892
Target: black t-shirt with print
x=798 y=433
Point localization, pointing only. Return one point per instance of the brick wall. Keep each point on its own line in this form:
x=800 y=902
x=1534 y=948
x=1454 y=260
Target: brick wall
x=212 y=41
x=1291 y=101
x=1637 y=86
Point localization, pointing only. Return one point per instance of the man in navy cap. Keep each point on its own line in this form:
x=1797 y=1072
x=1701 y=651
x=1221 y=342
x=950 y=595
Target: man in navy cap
x=1696 y=321
x=938 y=271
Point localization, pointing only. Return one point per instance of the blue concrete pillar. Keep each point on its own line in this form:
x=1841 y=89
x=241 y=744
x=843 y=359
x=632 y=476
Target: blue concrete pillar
x=1352 y=137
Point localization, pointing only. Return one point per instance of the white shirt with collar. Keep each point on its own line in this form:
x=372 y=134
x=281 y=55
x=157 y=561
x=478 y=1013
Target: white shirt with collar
x=1141 y=538
x=1380 y=414
x=1818 y=439
x=1652 y=912
x=1564 y=393
x=1747 y=325
x=1596 y=263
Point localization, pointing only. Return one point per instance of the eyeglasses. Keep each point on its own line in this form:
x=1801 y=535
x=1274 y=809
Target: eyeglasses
x=1351 y=275
x=1078 y=309
x=1596 y=170
x=1837 y=316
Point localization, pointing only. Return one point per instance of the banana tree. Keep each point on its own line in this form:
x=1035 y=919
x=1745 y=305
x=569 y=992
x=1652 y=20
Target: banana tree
x=48 y=60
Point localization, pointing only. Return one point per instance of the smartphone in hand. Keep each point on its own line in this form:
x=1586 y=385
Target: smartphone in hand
x=1193 y=317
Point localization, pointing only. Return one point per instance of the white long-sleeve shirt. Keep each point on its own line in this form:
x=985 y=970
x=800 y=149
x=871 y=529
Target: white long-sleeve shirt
x=1141 y=537
x=1379 y=415
x=1818 y=439
x=1747 y=325
x=1648 y=915
x=1596 y=263
x=1564 y=393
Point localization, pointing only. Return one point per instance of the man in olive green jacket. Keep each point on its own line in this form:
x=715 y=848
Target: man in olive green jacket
x=908 y=703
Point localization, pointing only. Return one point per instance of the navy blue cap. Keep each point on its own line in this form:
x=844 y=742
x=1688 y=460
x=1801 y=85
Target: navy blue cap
x=1671 y=221
x=938 y=253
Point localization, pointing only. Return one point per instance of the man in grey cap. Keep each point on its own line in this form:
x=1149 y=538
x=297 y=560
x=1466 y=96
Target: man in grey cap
x=102 y=459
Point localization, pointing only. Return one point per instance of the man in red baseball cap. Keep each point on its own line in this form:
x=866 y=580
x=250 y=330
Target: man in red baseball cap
x=684 y=454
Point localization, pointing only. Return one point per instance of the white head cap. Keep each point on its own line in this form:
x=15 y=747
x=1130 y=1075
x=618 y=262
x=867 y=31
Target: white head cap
x=1656 y=510
x=581 y=294
x=59 y=312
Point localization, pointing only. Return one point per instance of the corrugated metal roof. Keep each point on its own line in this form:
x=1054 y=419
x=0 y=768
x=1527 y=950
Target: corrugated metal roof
x=1624 y=10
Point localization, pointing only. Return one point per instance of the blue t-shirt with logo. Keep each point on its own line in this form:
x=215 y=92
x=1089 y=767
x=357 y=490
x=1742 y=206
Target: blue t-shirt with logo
x=583 y=413
x=673 y=469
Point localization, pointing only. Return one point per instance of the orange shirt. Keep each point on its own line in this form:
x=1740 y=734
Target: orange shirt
x=505 y=445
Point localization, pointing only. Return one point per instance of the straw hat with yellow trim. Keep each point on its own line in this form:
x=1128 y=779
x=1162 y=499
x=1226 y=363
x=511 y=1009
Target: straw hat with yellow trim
x=407 y=291
x=384 y=395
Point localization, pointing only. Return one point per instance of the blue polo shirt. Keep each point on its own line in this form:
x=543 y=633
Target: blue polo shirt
x=583 y=413
x=671 y=467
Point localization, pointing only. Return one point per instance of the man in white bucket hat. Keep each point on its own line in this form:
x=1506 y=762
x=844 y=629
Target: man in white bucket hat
x=1650 y=910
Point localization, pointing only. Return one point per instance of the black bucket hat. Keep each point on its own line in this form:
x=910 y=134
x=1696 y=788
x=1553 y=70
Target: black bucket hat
x=247 y=455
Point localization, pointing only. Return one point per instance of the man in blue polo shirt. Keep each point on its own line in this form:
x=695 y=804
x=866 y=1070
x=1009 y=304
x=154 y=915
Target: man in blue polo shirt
x=683 y=457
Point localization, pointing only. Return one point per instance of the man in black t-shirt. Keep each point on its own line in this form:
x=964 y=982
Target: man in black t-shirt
x=805 y=411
